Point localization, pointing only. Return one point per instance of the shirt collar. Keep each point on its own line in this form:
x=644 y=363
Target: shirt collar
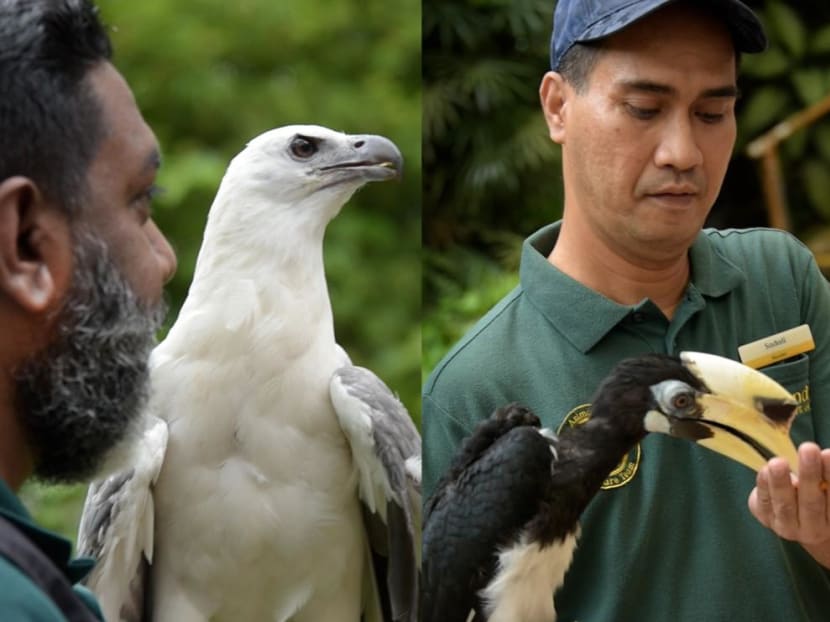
x=55 y=547
x=565 y=302
x=712 y=274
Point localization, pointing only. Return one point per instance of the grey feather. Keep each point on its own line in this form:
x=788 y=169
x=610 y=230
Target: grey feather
x=395 y=440
x=102 y=503
x=117 y=523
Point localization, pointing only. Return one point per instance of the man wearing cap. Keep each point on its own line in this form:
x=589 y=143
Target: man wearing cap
x=641 y=98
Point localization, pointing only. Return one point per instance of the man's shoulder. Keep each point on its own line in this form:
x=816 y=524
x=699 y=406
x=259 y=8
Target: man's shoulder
x=755 y=242
x=21 y=599
x=476 y=350
x=770 y=256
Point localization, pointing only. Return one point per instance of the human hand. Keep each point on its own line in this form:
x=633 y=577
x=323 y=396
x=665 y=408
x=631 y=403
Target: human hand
x=797 y=507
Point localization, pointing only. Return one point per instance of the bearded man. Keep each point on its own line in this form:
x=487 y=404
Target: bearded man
x=82 y=267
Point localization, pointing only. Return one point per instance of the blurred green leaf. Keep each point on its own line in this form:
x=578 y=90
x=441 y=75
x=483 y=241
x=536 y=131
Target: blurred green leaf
x=796 y=145
x=816 y=175
x=764 y=107
x=821 y=137
x=810 y=84
x=771 y=64
x=56 y=507
x=820 y=41
x=786 y=26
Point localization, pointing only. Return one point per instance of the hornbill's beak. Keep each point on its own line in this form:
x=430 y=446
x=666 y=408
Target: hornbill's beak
x=742 y=413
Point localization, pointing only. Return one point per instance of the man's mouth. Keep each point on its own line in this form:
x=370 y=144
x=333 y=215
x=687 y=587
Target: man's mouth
x=675 y=199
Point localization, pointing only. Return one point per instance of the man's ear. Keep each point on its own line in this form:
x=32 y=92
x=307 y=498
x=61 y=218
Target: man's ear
x=35 y=247
x=554 y=94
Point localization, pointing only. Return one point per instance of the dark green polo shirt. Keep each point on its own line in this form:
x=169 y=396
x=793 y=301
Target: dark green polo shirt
x=670 y=537
x=20 y=599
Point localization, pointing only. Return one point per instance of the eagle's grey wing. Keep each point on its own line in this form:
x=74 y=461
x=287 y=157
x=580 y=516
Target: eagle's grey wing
x=386 y=449
x=117 y=528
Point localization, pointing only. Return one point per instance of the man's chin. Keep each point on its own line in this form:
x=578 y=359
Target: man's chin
x=76 y=444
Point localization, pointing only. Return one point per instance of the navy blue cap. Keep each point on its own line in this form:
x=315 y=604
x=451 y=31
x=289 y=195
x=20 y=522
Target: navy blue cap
x=575 y=21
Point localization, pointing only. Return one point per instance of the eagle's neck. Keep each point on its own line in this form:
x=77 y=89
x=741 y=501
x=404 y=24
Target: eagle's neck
x=266 y=279
x=269 y=243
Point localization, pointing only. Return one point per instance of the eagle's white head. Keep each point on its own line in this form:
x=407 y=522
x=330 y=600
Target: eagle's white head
x=281 y=191
x=303 y=171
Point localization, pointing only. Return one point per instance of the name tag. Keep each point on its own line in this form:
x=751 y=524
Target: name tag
x=777 y=347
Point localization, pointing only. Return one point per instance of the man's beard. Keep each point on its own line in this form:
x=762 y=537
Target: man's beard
x=80 y=396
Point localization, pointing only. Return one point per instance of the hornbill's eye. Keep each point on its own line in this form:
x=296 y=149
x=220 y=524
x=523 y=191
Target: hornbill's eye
x=302 y=147
x=674 y=397
x=682 y=401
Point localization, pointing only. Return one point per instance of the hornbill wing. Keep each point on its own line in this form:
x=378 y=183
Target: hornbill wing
x=386 y=449
x=117 y=528
x=492 y=490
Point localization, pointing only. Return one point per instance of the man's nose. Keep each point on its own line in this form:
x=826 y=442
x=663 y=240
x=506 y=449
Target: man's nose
x=679 y=148
x=165 y=254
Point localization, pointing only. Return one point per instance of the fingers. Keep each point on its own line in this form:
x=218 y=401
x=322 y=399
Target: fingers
x=784 y=499
x=795 y=508
x=812 y=500
x=760 y=503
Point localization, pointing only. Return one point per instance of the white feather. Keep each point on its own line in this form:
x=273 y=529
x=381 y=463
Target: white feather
x=527 y=576
x=356 y=422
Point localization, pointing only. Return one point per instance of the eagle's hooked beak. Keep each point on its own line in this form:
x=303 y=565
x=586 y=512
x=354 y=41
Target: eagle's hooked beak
x=366 y=158
x=745 y=415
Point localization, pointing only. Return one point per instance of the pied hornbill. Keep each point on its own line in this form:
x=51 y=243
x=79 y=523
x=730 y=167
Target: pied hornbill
x=501 y=527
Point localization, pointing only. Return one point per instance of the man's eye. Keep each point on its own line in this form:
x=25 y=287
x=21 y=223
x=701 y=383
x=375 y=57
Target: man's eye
x=711 y=117
x=144 y=201
x=153 y=192
x=643 y=114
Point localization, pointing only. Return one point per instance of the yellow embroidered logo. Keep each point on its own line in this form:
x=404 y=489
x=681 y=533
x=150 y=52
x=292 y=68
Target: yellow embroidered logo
x=625 y=470
x=802 y=398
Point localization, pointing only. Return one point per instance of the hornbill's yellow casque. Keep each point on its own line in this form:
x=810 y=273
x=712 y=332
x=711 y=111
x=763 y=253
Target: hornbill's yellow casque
x=501 y=526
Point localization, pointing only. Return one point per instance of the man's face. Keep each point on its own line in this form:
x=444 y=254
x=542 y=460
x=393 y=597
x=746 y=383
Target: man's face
x=647 y=143
x=79 y=396
x=121 y=183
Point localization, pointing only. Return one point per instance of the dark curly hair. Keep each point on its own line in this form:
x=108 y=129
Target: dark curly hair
x=50 y=120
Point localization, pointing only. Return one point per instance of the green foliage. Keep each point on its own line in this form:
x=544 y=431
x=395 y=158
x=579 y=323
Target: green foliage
x=791 y=75
x=489 y=164
x=56 y=507
x=209 y=75
x=762 y=108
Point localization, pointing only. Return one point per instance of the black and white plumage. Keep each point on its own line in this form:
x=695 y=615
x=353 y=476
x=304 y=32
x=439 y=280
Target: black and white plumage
x=271 y=471
x=502 y=524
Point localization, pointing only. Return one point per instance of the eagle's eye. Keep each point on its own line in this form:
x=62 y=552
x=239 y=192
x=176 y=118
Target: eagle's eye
x=303 y=147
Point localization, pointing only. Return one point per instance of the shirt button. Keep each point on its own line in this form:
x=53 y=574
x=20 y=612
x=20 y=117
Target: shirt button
x=638 y=317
